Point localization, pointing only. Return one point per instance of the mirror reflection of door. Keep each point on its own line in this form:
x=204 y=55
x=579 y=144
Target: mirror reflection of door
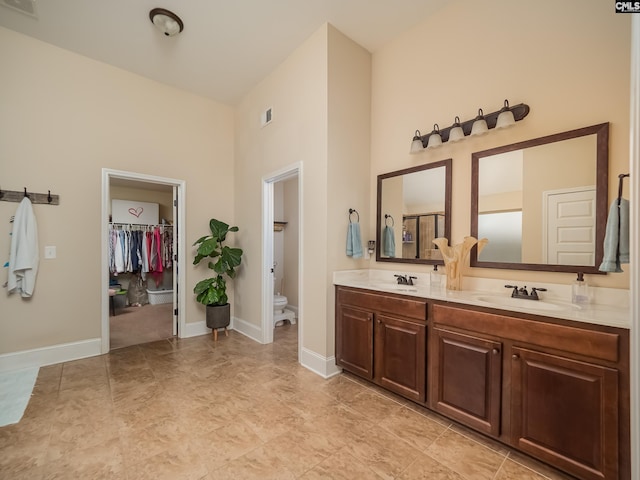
x=569 y=226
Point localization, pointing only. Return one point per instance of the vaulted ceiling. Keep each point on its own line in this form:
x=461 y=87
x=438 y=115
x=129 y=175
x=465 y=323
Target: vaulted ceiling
x=226 y=47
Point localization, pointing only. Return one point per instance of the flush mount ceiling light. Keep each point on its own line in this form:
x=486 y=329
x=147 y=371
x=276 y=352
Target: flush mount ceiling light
x=168 y=22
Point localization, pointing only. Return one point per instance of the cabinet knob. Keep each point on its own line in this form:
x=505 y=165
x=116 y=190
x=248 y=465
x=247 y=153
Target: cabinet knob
x=379 y=321
x=515 y=356
x=495 y=351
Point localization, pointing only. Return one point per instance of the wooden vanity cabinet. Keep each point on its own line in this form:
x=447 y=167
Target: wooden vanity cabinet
x=561 y=396
x=467 y=379
x=382 y=337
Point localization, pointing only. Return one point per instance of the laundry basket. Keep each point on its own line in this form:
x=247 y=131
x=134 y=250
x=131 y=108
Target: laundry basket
x=157 y=297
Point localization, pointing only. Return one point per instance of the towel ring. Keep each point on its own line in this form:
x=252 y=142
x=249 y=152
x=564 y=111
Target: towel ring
x=393 y=222
x=351 y=211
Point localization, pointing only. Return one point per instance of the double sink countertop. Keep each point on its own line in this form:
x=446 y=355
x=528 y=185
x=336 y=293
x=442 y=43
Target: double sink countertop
x=609 y=306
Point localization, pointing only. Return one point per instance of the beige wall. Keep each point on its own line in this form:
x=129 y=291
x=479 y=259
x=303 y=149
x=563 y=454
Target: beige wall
x=320 y=98
x=64 y=118
x=472 y=55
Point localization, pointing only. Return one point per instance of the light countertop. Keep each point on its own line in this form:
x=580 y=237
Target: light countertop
x=609 y=307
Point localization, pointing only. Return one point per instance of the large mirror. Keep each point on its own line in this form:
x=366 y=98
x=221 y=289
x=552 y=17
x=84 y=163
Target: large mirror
x=542 y=204
x=414 y=207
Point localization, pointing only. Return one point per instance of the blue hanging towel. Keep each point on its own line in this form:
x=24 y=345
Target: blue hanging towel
x=616 y=239
x=389 y=239
x=354 y=243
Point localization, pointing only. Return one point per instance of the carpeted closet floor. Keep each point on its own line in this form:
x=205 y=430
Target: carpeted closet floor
x=137 y=325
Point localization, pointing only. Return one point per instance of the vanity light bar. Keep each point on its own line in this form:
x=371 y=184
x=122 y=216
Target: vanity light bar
x=519 y=112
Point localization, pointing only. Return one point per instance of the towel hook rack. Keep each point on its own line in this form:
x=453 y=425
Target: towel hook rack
x=620 y=181
x=352 y=211
x=393 y=222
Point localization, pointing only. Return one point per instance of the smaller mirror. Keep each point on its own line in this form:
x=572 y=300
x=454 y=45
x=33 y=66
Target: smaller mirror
x=414 y=207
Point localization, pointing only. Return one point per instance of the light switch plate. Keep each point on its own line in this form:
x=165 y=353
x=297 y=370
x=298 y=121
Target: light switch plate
x=49 y=252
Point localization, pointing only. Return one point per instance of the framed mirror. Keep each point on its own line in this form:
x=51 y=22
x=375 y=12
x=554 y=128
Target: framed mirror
x=414 y=207
x=542 y=203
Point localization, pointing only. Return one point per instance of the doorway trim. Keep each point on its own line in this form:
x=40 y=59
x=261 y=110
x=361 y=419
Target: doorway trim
x=179 y=296
x=268 y=181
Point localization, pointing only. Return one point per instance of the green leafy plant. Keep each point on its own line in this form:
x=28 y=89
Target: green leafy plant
x=213 y=291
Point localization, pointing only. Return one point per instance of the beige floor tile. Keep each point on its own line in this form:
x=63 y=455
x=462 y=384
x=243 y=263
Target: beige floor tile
x=385 y=453
x=225 y=444
x=427 y=468
x=416 y=429
x=467 y=457
x=511 y=469
x=341 y=466
x=258 y=464
x=176 y=464
x=204 y=410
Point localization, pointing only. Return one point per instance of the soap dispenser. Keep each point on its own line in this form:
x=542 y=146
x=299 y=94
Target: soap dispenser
x=436 y=278
x=580 y=291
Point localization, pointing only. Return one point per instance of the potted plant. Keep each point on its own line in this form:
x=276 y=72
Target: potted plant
x=212 y=292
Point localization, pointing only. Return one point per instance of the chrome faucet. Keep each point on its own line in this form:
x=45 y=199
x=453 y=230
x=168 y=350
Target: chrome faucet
x=523 y=293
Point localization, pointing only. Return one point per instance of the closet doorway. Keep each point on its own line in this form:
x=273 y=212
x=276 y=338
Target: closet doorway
x=142 y=214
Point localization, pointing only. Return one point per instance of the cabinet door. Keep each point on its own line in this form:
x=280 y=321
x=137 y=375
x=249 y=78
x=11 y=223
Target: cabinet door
x=354 y=341
x=401 y=356
x=466 y=379
x=565 y=412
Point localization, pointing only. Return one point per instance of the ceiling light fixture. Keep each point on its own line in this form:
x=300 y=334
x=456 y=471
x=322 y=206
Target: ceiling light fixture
x=168 y=22
x=480 y=125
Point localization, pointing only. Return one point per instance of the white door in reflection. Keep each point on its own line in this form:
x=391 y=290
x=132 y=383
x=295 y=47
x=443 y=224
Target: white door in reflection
x=570 y=226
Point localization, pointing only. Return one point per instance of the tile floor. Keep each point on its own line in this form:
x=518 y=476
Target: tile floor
x=194 y=409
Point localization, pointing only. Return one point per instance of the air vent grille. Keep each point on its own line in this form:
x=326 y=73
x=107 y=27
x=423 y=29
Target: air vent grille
x=28 y=7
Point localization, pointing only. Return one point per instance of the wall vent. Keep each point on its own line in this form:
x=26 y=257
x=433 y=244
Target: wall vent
x=28 y=7
x=266 y=117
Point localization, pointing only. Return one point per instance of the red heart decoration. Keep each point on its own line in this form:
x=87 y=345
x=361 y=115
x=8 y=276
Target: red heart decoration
x=136 y=212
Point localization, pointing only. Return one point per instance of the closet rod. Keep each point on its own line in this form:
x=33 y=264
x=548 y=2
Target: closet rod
x=166 y=225
x=36 y=198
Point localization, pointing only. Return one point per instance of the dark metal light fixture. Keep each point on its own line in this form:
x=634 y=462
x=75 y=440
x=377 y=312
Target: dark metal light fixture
x=168 y=22
x=503 y=118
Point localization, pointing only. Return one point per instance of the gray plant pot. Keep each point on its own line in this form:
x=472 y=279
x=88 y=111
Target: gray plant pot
x=218 y=316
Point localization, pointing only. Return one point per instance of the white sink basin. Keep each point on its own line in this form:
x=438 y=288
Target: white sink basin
x=524 y=303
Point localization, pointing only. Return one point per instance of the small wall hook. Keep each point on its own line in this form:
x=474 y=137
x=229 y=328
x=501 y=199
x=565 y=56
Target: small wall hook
x=25 y=192
x=49 y=198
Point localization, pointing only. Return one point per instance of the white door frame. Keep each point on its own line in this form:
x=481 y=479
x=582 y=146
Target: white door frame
x=179 y=235
x=634 y=267
x=268 y=181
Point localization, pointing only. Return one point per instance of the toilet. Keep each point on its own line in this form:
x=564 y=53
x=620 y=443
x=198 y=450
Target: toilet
x=280 y=313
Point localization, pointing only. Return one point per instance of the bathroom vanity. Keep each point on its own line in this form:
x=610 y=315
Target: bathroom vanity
x=554 y=388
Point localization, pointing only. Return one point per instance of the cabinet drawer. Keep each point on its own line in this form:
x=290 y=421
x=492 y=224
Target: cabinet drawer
x=580 y=341
x=380 y=302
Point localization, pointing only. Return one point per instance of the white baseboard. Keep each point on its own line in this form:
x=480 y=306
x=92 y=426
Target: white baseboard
x=247 y=329
x=323 y=366
x=39 y=357
x=195 y=329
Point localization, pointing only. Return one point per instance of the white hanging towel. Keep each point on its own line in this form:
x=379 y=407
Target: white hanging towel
x=24 y=258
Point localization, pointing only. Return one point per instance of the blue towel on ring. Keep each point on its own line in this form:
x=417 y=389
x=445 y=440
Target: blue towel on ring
x=616 y=238
x=354 y=243
x=389 y=242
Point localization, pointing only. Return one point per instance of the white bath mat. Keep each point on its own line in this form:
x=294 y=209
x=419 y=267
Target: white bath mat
x=15 y=392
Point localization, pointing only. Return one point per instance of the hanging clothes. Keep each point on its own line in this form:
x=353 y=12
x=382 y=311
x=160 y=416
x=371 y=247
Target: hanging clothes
x=140 y=249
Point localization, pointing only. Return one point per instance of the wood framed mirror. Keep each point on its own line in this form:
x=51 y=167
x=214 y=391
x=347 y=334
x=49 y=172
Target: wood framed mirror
x=542 y=203
x=413 y=208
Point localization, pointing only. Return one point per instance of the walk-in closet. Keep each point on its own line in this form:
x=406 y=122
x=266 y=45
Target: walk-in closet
x=141 y=258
